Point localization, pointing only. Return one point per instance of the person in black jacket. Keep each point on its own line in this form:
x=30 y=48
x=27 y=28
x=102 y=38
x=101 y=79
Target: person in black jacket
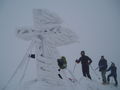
x=113 y=73
x=102 y=68
x=85 y=61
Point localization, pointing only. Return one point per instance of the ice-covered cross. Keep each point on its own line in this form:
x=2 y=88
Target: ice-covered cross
x=46 y=35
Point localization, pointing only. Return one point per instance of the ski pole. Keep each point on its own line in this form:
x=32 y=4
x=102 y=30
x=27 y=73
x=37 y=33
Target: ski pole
x=99 y=67
x=74 y=67
x=94 y=72
x=96 y=68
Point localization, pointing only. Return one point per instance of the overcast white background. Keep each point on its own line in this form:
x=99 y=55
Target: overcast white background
x=96 y=22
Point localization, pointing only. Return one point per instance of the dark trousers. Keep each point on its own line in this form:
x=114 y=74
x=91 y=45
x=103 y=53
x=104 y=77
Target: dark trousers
x=115 y=78
x=103 y=74
x=85 y=70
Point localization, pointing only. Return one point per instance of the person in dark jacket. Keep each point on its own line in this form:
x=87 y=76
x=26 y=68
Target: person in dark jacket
x=85 y=61
x=102 y=68
x=113 y=73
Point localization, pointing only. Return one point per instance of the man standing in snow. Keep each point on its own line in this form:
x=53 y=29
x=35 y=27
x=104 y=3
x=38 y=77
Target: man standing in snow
x=102 y=68
x=85 y=61
x=113 y=73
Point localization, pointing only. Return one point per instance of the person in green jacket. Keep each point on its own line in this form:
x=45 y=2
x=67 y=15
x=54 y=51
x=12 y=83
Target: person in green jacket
x=62 y=63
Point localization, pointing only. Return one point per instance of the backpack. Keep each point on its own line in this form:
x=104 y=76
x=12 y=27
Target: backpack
x=62 y=63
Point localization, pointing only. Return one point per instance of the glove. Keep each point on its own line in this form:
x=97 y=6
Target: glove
x=77 y=61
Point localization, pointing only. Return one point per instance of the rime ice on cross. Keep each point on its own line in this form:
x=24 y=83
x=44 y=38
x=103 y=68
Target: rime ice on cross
x=46 y=35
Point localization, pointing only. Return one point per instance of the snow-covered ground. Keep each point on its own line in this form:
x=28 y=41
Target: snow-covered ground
x=82 y=84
